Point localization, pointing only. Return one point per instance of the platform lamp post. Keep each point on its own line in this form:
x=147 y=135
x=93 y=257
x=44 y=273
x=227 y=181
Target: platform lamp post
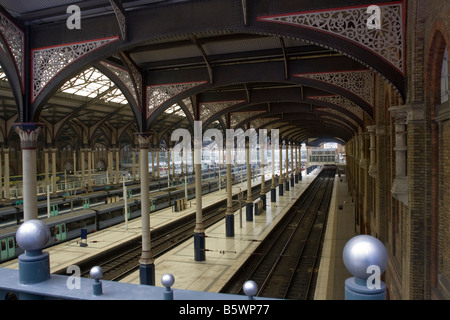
x=146 y=262
x=365 y=257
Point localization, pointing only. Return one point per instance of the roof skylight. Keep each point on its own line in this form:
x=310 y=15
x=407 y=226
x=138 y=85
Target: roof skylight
x=92 y=83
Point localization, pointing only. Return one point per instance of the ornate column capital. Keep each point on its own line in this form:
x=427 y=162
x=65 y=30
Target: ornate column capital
x=28 y=133
x=144 y=139
x=398 y=112
x=371 y=129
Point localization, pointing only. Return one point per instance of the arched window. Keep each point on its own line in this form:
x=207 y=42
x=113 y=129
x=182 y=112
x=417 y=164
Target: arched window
x=444 y=78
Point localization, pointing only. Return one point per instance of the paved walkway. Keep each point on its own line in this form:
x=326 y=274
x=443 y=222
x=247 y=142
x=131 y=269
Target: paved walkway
x=340 y=229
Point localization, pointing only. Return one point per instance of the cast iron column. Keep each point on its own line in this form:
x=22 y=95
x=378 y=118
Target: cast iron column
x=29 y=133
x=273 y=191
x=199 y=231
x=292 y=165
x=146 y=262
x=229 y=218
x=262 y=149
x=287 y=167
x=280 y=183
x=249 y=207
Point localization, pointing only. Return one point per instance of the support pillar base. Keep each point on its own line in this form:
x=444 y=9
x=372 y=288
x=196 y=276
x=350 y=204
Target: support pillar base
x=249 y=212
x=281 y=192
x=199 y=246
x=229 y=225
x=273 y=195
x=287 y=185
x=147 y=274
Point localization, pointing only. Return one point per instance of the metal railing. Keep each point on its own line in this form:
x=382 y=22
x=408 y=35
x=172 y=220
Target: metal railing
x=33 y=280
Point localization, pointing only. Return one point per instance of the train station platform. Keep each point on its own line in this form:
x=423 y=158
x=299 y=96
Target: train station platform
x=71 y=253
x=340 y=229
x=224 y=255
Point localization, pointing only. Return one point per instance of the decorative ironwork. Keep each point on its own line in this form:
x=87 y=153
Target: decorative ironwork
x=339 y=114
x=188 y=103
x=277 y=125
x=342 y=102
x=121 y=19
x=258 y=123
x=287 y=128
x=136 y=77
x=15 y=40
x=208 y=109
x=29 y=134
x=242 y=117
x=157 y=95
x=351 y=23
x=144 y=139
x=334 y=120
x=357 y=82
x=49 y=62
x=124 y=76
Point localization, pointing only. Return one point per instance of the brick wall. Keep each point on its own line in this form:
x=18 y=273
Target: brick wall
x=417 y=235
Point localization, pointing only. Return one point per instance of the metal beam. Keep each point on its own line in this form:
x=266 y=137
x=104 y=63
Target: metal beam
x=285 y=58
x=121 y=17
x=245 y=12
x=205 y=57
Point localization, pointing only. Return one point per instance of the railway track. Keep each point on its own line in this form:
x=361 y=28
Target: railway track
x=123 y=260
x=285 y=264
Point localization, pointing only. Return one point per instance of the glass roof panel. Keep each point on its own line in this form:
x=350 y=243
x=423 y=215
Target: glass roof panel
x=175 y=109
x=91 y=83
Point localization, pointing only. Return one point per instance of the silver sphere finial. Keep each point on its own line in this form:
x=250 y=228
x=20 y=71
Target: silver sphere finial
x=250 y=288
x=167 y=280
x=33 y=235
x=363 y=251
x=96 y=273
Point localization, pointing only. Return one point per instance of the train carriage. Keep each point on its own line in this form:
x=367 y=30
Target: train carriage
x=113 y=213
x=9 y=216
x=62 y=228
x=8 y=246
x=69 y=226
